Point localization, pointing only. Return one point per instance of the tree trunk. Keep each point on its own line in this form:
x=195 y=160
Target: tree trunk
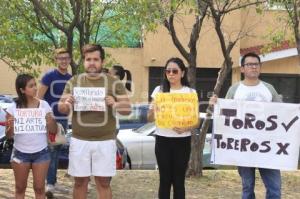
x=192 y=75
x=297 y=38
x=74 y=67
x=194 y=163
x=224 y=71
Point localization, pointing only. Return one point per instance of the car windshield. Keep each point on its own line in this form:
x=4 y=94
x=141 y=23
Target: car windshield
x=144 y=128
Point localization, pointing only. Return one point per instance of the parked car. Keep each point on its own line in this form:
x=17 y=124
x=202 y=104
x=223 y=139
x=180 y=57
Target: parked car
x=140 y=144
x=5 y=102
x=6 y=145
x=121 y=156
x=137 y=117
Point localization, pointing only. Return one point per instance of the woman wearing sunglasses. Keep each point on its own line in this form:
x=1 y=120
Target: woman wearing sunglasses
x=172 y=146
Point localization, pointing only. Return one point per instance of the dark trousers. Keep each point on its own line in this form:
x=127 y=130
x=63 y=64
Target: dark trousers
x=172 y=155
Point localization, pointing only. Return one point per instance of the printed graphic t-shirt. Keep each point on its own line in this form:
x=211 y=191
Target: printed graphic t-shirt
x=258 y=93
x=34 y=142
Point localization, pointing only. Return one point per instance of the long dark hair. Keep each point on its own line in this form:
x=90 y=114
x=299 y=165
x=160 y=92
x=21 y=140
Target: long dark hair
x=165 y=85
x=21 y=83
x=120 y=71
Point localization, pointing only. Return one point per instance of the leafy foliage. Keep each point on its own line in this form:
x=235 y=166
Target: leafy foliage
x=30 y=33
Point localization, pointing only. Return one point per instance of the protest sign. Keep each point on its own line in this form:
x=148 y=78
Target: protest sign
x=256 y=134
x=30 y=120
x=89 y=99
x=176 y=110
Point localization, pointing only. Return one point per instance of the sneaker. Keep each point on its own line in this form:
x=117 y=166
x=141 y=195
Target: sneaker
x=89 y=188
x=49 y=191
x=61 y=188
x=49 y=188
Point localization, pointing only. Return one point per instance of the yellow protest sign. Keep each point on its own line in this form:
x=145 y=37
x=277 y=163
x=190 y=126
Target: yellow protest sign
x=176 y=110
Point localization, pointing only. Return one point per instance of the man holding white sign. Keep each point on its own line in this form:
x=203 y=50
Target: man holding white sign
x=256 y=134
x=94 y=96
x=251 y=89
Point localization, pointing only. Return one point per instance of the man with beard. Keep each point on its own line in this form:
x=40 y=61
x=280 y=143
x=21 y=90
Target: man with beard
x=93 y=146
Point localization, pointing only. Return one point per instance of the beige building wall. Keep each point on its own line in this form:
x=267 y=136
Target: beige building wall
x=260 y=27
x=132 y=60
x=7 y=78
x=280 y=66
x=288 y=65
x=158 y=46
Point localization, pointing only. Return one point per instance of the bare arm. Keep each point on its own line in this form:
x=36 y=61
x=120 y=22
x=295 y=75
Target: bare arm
x=51 y=123
x=65 y=104
x=41 y=91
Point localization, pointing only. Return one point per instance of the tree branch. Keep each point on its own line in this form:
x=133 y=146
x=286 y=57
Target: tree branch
x=202 y=8
x=170 y=26
x=37 y=5
x=244 y=5
x=44 y=29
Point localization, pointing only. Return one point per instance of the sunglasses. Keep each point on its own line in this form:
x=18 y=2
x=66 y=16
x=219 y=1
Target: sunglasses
x=173 y=71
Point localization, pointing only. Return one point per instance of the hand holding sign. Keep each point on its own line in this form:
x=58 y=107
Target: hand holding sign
x=256 y=134
x=180 y=130
x=89 y=99
x=176 y=110
x=70 y=100
x=110 y=101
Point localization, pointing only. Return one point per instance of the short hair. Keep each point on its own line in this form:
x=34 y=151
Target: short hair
x=251 y=54
x=88 y=48
x=59 y=51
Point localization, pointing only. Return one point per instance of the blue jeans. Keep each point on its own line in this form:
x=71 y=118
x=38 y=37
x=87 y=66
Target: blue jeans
x=33 y=158
x=54 y=153
x=271 y=179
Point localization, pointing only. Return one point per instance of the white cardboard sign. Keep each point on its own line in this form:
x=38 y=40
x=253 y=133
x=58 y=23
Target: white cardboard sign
x=89 y=99
x=30 y=120
x=256 y=134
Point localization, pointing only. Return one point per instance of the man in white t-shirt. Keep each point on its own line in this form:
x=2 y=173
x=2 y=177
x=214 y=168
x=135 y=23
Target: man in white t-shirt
x=253 y=89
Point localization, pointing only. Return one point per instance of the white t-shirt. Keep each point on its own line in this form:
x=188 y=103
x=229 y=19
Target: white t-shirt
x=169 y=132
x=31 y=143
x=259 y=93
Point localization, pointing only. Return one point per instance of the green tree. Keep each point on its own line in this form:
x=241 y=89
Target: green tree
x=292 y=8
x=31 y=29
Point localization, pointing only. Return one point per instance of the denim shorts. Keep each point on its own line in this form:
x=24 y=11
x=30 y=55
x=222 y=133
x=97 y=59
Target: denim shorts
x=37 y=157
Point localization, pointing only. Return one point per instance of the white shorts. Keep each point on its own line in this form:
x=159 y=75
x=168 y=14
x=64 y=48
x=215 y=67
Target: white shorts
x=92 y=158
